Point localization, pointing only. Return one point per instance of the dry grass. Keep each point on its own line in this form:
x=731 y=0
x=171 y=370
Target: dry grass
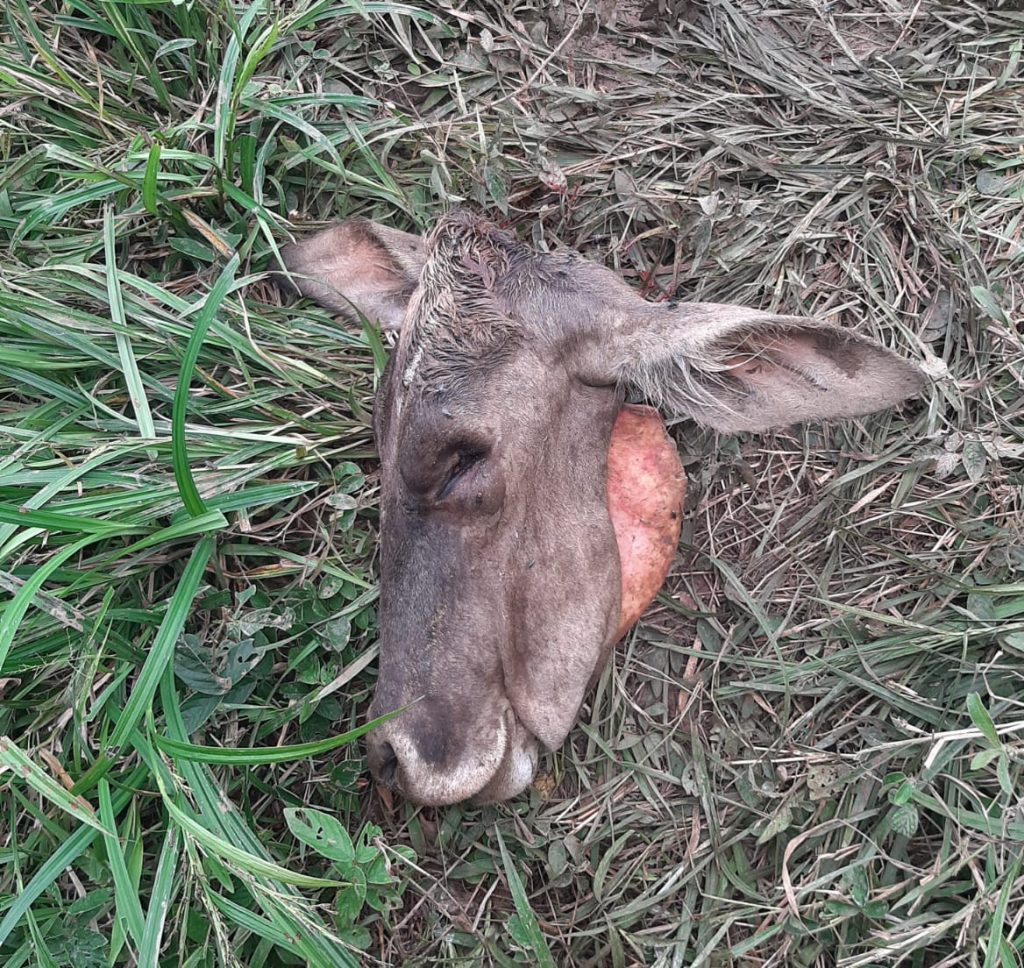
x=808 y=753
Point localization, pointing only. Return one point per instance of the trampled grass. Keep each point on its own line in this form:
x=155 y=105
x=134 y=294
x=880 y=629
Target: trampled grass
x=808 y=753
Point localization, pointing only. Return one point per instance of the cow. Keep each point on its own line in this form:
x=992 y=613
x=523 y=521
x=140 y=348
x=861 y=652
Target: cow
x=528 y=514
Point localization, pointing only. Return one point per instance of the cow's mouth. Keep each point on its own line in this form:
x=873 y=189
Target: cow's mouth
x=518 y=765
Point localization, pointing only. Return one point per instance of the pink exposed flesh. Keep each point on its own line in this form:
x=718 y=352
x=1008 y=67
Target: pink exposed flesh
x=646 y=486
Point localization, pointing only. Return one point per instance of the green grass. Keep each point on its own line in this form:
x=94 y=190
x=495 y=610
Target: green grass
x=808 y=753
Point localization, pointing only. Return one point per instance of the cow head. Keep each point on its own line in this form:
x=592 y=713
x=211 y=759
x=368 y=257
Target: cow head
x=506 y=574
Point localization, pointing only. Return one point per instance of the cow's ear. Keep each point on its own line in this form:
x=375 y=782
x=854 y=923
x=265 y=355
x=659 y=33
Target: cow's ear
x=357 y=265
x=741 y=369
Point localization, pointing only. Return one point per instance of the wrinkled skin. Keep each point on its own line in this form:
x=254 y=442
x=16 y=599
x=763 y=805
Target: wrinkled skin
x=519 y=538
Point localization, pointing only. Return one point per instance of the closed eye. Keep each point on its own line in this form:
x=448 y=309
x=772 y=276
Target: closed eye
x=467 y=460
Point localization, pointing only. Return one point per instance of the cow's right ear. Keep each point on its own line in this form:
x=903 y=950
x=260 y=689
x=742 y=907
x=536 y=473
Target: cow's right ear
x=357 y=265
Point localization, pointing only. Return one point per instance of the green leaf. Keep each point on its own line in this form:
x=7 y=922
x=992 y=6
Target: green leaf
x=258 y=51
x=777 y=824
x=980 y=760
x=857 y=881
x=179 y=452
x=981 y=719
x=377 y=874
x=984 y=298
x=366 y=850
x=380 y=355
x=904 y=820
x=1003 y=774
x=901 y=794
x=324 y=833
x=149 y=179
x=975 y=460
x=129 y=365
x=224 y=107
x=358 y=937
x=350 y=900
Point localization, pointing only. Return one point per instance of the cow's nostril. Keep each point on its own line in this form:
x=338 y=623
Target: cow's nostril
x=387 y=763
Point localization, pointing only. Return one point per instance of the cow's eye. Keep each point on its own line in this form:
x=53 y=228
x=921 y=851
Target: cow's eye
x=464 y=461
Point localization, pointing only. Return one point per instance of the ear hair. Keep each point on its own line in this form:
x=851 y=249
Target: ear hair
x=695 y=381
x=739 y=369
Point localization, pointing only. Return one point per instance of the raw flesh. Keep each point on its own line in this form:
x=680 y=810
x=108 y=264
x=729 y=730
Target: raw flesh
x=646 y=486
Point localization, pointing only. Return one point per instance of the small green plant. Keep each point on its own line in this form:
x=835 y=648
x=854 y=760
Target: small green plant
x=996 y=752
x=363 y=861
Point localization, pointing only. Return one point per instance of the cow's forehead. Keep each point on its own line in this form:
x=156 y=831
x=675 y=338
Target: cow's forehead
x=482 y=300
x=458 y=326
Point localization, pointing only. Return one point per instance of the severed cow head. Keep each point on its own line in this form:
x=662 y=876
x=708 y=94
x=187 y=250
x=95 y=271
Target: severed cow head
x=527 y=516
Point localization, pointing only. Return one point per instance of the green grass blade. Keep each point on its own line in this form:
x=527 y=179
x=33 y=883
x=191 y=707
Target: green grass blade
x=261 y=927
x=126 y=895
x=160 y=900
x=22 y=766
x=129 y=365
x=149 y=179
x=537 y=942
x=261 y=756
x=61 y=858
x=54 y=521
x=161 y=653
x=243 y=859
x=279 y=903
x=840 y=590
x=19 y=604
x=202 y=523
x=996 y=944
x=182 y=472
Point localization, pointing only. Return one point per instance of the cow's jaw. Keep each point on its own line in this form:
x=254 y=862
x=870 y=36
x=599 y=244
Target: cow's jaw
x=645 y=489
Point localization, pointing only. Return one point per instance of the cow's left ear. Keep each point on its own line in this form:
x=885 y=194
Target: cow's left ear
x=736 y=369
x=357 y=265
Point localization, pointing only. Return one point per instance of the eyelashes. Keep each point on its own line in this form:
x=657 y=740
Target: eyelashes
x=467 y=460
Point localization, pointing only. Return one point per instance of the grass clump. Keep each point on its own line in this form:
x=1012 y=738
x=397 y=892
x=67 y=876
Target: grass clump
x=809 y=753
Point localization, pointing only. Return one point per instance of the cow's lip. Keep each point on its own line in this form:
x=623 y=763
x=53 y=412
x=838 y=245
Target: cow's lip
x=516 y=759
x=518 y=766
